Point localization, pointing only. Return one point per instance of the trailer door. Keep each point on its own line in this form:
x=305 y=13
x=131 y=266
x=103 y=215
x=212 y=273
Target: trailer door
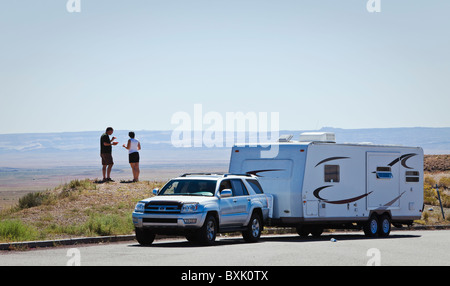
x=383 y=180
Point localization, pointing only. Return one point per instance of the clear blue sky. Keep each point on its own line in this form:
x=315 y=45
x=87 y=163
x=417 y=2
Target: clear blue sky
x=133 y=64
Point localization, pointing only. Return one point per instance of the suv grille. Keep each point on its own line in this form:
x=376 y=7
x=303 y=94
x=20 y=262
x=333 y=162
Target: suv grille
x=163 y=207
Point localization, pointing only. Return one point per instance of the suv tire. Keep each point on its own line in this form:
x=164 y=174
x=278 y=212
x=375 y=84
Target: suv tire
x=207 y=234
x=254 y=228
x=144 y=236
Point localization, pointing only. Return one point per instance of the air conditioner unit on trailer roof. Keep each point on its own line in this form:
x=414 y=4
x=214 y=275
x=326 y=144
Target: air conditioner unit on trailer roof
x=328 y=137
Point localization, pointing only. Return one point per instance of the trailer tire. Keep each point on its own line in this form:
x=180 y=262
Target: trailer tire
x=302 y=231
x=384 y=226
x=316 y=231
x=372 y=226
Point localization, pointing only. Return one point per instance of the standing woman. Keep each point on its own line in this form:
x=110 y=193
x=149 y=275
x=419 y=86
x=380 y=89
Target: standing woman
x=133 y=147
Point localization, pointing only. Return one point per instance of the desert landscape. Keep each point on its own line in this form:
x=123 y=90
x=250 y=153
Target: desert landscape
x=89 y=207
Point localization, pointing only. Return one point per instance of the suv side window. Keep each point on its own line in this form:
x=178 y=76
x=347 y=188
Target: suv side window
x=238 y=188
x=225 y=184
x=256 y=186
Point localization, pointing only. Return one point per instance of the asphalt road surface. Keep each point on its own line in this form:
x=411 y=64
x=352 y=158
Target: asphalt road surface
x=400 y=248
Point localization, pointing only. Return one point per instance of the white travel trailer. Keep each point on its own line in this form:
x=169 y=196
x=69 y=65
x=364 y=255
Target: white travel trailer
x=317 y=183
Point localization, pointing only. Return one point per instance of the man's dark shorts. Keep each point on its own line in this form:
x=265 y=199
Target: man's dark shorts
x=107 y=159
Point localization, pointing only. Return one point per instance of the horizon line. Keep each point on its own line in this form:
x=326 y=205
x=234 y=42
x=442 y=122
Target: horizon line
x=247 y=131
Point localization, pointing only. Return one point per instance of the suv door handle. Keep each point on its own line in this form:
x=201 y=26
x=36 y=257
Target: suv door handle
x=234 y=200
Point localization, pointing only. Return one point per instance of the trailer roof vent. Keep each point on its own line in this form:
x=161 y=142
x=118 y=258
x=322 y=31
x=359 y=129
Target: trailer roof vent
x=285 y=138
x=328 y=137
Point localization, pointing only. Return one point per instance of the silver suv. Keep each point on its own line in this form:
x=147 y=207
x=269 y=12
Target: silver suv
x=199 y=206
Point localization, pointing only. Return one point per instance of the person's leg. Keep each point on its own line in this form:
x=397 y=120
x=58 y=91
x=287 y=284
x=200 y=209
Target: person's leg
x=104 y=172
x=108 y=171
x=132 y=170
x=136 y=166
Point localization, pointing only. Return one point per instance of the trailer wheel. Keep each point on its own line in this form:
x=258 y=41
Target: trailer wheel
x=316 y=231
x=385 y=226
x=372 y=226
x=302 y=231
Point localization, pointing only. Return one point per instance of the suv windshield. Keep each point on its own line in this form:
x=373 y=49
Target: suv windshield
x=189 y=188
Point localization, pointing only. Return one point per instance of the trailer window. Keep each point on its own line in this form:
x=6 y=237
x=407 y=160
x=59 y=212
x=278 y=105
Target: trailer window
x=384 y=173
x=412 y=176
x=332 y=173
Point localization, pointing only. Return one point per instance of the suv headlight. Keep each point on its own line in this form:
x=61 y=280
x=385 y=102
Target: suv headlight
x=140 y=207
x=190 y=208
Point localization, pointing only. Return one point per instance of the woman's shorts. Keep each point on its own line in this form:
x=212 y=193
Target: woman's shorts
x=133 y=157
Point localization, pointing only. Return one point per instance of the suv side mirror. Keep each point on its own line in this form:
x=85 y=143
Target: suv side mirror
x=155 y=191
x=226 y=193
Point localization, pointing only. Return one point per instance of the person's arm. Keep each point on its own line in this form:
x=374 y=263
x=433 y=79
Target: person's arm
x=111 y=142
x=128 y=145
x=139 y=145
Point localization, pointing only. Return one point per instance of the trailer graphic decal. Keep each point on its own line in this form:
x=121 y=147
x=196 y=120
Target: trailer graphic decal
x=260 y=171
x=346 y=201
x=390 y=203
x=403 y=159
x=331 y=159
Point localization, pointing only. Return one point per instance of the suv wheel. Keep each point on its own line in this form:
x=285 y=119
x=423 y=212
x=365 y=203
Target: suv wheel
x=207 y=234
x=254 y=228
x=144 y=236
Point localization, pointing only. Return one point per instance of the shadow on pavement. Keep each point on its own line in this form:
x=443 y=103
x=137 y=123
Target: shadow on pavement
x=291 y=238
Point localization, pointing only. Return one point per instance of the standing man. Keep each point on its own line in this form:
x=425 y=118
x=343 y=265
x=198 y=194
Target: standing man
x=106 y=153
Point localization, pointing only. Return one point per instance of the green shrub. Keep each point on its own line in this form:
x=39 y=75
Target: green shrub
x=75 y=186
x=103 y=225
x=425 y=216
x=31 y=200
x=429 y=196
x=445 y=182
x=15 y=230
x=429 y=181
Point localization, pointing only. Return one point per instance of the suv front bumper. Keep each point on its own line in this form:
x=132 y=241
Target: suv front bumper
x=169 y=221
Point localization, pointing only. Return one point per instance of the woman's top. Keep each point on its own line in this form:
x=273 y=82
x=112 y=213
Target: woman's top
x=133 y=146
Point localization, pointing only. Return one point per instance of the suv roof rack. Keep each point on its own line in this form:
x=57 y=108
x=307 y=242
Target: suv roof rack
x=231 y=174
x=201 y=174
x=216 y=174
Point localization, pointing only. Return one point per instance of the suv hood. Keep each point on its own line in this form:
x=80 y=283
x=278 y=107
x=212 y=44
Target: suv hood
x=181 y=199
